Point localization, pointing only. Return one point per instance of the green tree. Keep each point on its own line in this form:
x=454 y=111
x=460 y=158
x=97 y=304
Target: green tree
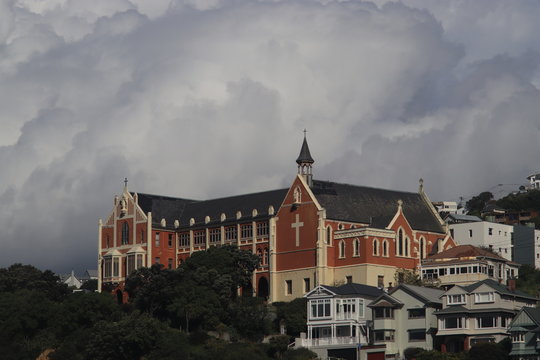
x=477 y=203
x=294 y=314
x=19 y=277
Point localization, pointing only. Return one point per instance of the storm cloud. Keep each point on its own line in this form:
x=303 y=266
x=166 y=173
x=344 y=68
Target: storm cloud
x=209 y=98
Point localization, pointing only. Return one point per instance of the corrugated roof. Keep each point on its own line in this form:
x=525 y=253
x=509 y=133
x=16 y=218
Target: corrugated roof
x=364 y=204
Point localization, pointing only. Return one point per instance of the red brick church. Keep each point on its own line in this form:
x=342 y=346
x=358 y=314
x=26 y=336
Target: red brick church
x=313 y=232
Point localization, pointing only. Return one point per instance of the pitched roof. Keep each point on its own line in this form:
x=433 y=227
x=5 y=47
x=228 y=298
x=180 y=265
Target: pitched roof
x=533 y=313
x=355 y=289
x=463 y=251
x=427 y=295
x=305 y=155
x=366 y=205
x=183 y=209
x=504 y=290
x=462 y=218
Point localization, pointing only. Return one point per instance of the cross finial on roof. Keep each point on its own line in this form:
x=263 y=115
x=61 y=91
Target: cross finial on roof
x=305 y=131
x=125 y=182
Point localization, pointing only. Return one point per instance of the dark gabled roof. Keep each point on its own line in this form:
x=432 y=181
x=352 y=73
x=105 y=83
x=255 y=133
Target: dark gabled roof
x=533 y=313
x=304 y=156
x=184 y=209
x=424 y=294
x=230 y=205
x=163 y=207
x=371 y=205
x=355 y=289
x=501 y=289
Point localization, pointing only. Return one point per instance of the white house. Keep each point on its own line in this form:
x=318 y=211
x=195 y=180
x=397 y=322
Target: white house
x=496 y=237
x=339 y=322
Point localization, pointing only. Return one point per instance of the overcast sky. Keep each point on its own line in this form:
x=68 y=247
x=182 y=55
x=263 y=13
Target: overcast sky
x=208 y=98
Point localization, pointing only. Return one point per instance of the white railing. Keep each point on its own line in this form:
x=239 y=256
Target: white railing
x=344 y=340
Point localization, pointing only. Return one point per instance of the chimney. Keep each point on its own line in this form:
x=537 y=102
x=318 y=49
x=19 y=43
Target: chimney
x=511 y=284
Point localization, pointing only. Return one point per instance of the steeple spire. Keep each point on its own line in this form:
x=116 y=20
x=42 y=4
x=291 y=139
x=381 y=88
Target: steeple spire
x=305 y=162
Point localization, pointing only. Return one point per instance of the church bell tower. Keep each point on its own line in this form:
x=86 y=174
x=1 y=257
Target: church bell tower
x=305 y=162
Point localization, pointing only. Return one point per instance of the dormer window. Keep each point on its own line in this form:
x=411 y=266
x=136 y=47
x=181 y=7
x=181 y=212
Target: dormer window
x=518 y=337
x=485 y=297
x=456 y=299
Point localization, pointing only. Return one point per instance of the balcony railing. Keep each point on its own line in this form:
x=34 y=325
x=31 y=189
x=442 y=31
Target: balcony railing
x=344 y=340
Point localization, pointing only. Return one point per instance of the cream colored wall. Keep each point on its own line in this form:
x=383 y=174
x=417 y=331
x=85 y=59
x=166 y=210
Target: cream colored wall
x=297 y=277
x=363 y=274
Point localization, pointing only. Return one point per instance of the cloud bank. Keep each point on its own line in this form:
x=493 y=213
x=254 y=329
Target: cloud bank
x=208 y=98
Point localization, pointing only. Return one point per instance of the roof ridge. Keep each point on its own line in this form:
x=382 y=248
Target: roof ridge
x=365 y=186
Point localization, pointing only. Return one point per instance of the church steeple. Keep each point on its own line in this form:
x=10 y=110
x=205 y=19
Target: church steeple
x=305 y=162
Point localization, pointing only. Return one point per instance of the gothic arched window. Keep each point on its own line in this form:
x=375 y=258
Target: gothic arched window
x=399 y=245
x=342 y=249
x=328 y=235
x=385 y=248
x=125 y=233
x=356 y=247
x=422 y=248
x=375 y=247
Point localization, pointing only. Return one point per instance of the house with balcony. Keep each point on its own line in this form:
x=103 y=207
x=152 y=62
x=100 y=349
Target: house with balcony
x=525 y=332
x=465 y=265
x=339 y=322
x=404 y=317
x=480 y=312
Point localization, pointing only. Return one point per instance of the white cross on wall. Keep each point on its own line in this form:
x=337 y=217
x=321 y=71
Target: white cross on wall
x=297 y=225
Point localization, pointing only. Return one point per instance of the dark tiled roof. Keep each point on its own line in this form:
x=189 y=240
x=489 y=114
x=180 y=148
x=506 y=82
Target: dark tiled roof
x=533 y=313
x=163 y=207
x=183 y=209
x=501 y=289
x=305 y=155
x=355 y=289
x=365 y=205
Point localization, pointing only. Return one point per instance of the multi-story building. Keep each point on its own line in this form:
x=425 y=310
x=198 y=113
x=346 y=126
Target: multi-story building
x=311 y=233
x=404 y=317
x=339 y=321
x=465 y=265
x=480 y=312
x=525 y=330
x=496 y=237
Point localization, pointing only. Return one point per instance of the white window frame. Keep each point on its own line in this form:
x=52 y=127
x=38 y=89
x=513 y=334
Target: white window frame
x=478 y=297
x=450 y=299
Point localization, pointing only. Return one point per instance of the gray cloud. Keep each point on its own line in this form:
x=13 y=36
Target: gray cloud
x=208 y=98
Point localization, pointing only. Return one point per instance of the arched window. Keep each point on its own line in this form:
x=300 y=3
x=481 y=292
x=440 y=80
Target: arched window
x=375 y=247
x=407 y=246
x=342 y=249
x=399 y=244
x=356 y=247
x=265 y=256
x=328 y=235
x=259 y=255
x=385 y=248
x=125 y=233
x=422 y=248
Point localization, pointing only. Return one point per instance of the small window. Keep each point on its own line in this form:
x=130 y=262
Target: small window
x=356 y=247
x=246 y=231
x=485 y=297
x=307 y=285
x=348 y=279
x=383 y=313
x=125 y=233
x=490 y=231
x=470 y=233
x=230 y=233
x=417 y=335
x=262 y=229
x=215 y=235
x=170 y=241
x=288 y=287
x=380 y=281
x=417 y=313
x=383 y=335
x=328 y=235
x=456 y=299
x=157 y=242
x=183 y=240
